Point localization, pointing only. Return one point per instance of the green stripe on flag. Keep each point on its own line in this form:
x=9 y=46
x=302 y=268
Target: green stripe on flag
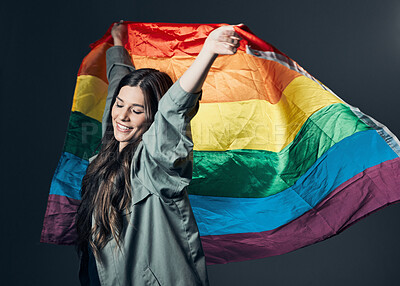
x=259 y=173
x=83 y=135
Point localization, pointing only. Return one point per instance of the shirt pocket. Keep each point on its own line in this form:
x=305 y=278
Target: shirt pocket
x=150 y=278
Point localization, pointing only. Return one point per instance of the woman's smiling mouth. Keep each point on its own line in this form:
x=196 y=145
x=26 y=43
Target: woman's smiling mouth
x=123 y=128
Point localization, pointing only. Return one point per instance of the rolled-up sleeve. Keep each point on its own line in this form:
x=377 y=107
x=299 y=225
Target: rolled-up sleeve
x=119 y=64
x=168 y=144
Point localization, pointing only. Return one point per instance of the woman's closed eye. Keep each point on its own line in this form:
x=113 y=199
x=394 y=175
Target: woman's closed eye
x=135 y=108
x=137 y=111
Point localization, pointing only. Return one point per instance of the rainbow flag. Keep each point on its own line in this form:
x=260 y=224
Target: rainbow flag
x=280 y=161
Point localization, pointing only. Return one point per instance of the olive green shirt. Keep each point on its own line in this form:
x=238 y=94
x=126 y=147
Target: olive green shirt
x=161 y=242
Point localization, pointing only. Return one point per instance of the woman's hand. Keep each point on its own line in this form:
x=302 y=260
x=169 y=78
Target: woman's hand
x=222 y=41
x=119 y=33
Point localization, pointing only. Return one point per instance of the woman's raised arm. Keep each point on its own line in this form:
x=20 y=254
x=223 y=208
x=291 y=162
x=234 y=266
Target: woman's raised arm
x=118 y=65
x=221 y=41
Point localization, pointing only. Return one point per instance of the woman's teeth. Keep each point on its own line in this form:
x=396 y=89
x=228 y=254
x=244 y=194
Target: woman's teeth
x=123 y=128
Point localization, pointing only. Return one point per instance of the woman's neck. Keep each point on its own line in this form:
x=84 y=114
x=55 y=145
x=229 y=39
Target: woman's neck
x=122 y=145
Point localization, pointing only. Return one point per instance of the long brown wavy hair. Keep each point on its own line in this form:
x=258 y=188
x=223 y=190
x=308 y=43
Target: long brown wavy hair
x=106 y=188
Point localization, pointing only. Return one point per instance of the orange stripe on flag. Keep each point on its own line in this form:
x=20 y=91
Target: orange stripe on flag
x=94 y=63
x=233 y=78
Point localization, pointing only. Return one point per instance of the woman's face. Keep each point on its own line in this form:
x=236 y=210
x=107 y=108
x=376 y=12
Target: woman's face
x=128 y=117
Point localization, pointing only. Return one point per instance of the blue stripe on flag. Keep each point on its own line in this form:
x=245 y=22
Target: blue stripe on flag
x=344 y=160
x=68 y=176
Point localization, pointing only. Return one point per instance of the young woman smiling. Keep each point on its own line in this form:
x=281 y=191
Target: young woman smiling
x=135 y=222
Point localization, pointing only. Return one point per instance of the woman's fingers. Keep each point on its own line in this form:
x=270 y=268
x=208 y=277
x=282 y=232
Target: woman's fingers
x=118 y=23
x=227 y=48
x=233 y=40
x=119 y=33
x=229 y=39
x=223 y=41
x=230 y=44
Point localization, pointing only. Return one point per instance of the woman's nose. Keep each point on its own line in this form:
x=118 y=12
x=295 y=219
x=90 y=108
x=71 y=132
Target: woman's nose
x=123 y=115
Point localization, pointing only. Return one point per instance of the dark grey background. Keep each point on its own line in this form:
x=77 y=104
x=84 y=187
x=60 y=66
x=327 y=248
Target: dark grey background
x=351 y=46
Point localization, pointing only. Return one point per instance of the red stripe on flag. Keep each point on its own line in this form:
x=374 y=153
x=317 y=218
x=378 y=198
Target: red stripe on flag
x=169 y=40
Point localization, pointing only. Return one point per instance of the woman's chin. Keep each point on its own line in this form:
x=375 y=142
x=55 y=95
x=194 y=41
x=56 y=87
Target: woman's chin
x=123 y=137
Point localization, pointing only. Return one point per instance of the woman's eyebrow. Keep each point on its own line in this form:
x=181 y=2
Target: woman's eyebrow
x=135 y=104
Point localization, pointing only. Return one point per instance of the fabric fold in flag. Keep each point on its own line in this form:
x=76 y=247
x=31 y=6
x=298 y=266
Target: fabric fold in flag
x=280 y=161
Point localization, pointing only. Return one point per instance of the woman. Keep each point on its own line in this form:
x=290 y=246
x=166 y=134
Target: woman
x=135 y=222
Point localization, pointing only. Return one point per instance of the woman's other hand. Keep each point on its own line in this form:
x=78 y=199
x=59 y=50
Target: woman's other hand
x=222 y=41
x=119 y=33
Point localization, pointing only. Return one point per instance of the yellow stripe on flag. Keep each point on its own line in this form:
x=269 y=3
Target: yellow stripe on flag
x=238 y=124
x=90 y=96
x=258 y=124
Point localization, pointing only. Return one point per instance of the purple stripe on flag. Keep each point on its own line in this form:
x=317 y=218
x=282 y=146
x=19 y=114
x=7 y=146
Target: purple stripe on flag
x=59 y=220
x=368 y=191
